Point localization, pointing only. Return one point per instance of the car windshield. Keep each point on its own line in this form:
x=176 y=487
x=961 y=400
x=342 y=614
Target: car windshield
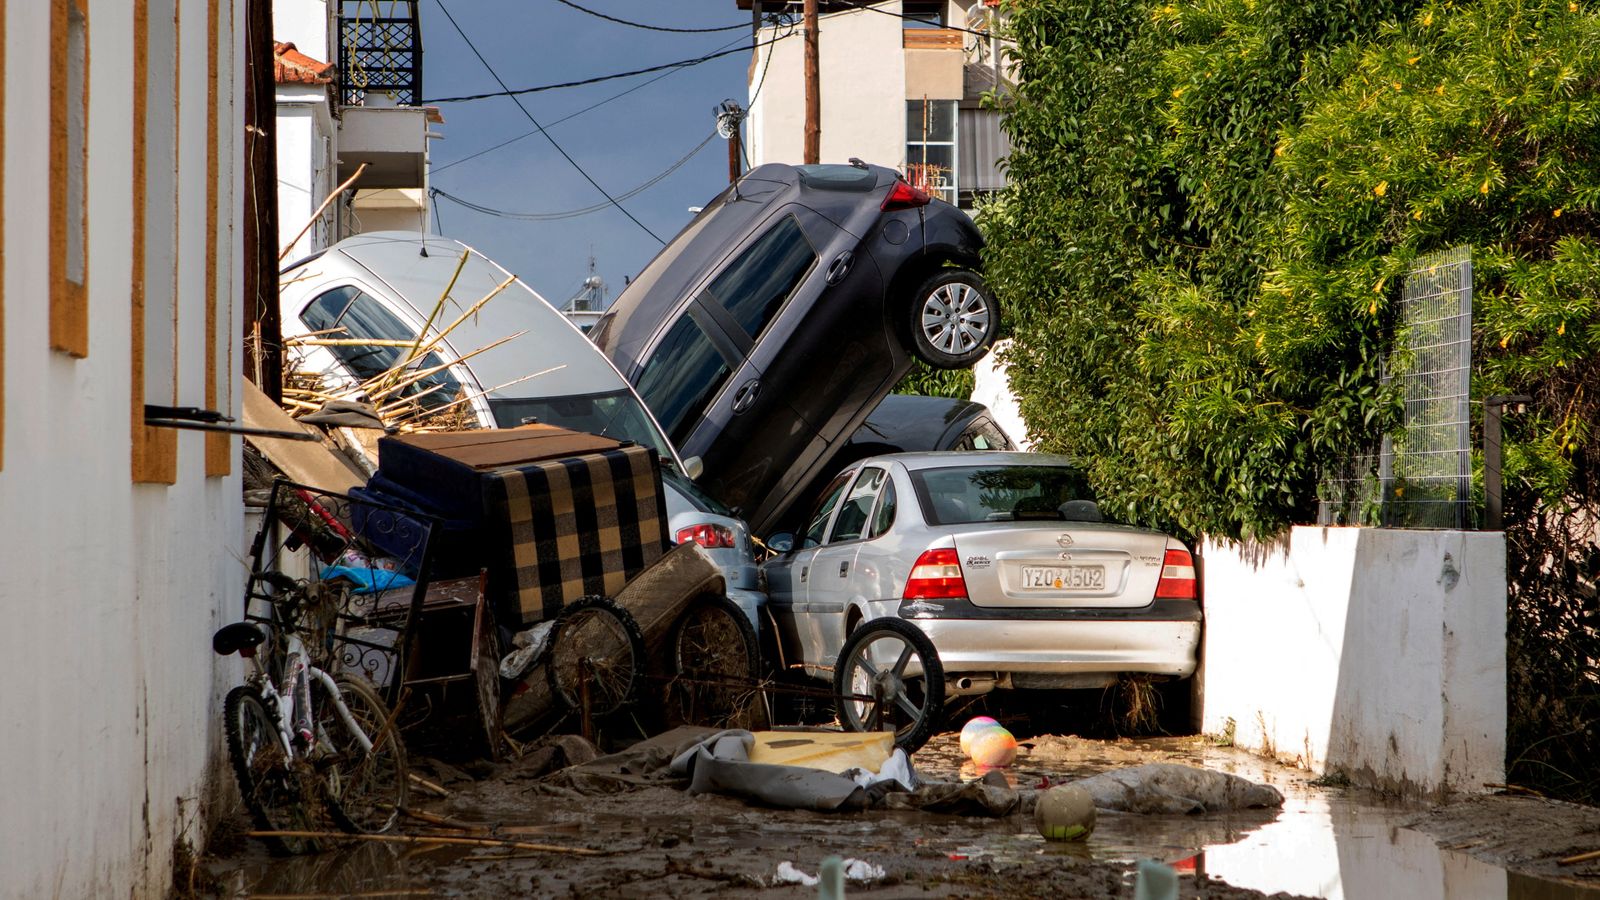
x=701 y=500
x=959 y=495
x=615 y=414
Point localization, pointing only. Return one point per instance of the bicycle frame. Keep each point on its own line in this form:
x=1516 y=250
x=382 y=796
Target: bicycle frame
x=290 y=705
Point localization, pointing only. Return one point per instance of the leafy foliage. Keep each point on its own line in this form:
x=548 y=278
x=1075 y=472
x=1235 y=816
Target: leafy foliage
x=1213 y=205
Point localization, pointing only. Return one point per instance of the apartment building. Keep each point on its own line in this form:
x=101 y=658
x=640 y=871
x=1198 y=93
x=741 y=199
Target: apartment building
x=901 y=85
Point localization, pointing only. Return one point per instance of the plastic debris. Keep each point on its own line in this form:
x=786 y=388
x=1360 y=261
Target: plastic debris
x=531 y=646
x=855 y=871
x=1155 y=881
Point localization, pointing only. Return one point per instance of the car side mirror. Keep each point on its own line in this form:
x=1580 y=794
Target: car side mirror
x=693 y=468
x=781 y=543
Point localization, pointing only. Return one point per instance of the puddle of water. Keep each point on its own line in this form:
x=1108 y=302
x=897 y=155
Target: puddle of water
x=1335 y=844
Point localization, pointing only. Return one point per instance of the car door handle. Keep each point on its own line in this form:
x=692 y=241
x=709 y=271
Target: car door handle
x=840 y=267
x=746 y=395
x=844 y=568
x=804 y=571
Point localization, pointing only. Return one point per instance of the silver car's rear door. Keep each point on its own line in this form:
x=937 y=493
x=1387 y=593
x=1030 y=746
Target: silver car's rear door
x=1060 y=564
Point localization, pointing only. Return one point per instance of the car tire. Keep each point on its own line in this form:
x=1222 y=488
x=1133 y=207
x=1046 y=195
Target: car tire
x=953 y=319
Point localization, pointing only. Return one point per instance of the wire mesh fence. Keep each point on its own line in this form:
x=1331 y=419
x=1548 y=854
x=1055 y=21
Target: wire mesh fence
x=1421 y=477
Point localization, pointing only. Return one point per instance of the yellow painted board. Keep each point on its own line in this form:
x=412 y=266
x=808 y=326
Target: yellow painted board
x=830 y=751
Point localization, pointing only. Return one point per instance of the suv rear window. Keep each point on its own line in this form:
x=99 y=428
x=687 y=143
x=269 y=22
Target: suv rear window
x=835 y=177
x=960 y=495
x=681 y=377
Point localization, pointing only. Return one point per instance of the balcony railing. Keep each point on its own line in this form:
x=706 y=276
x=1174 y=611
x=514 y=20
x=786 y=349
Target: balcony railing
x=380 y=52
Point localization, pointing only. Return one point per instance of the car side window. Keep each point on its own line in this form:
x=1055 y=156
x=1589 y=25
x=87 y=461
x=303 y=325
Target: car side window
x=857 y=506
x=681 y=378
x=883 y=520
x=359 y=316
x=754 y=287
x=819 y=519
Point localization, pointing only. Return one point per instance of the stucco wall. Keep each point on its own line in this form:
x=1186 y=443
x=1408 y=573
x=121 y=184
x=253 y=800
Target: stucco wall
x=1375 y=653
x=305 y=173
x=109 y=719
x=862 y=72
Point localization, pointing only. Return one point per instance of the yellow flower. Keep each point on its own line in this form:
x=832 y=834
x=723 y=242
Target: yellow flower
x=1259 y=339
x=1373 y=309
x=1556 y=214
x=1504 y=341
x=1413 y=60
x=1427 y=18
x=1484 y=188
x=1395 y=85
x=1381 y=189
x=1562 y=329
x=1439 y=90
x=1417 y=214
x=1572 y=7
x=1176 y=93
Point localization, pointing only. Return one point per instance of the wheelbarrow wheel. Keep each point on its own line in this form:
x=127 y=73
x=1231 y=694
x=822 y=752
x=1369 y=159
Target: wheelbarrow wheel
x=717 y=659
x=596 y=657
x=889 y=678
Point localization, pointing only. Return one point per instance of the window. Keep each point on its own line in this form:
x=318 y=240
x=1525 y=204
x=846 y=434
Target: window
x=884 y=520
x=853 y=514
x=924 y=13
x=613 y=414
x=755 y=286
x=681 y=378
x=959 y=495
x=931 y=157
x=819 y=519
x=69 y=217
x=982 y=435
x=362 y=317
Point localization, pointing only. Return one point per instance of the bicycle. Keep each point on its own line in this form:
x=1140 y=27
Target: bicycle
x=308 y=749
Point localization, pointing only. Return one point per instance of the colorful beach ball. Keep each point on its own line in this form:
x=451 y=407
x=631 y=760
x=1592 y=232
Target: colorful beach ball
x=971 y=729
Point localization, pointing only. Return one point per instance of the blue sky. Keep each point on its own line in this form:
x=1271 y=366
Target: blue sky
x=621 y=144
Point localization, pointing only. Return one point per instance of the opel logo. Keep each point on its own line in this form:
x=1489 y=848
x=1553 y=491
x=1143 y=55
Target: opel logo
x=1065 y=540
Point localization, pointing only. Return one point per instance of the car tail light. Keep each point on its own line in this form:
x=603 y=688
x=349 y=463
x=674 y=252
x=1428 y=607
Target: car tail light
x=937 y=575
x=1177 y=577
x=904 y=196
x=710 y=537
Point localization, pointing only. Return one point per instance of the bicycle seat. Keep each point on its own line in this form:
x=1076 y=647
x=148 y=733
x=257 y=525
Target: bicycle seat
x=240 y=637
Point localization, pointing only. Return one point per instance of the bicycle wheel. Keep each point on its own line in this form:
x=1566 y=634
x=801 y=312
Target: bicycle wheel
x=596 y=656
x=365 y=789
x=889 y=678
x=718 y=663
x=272 y=791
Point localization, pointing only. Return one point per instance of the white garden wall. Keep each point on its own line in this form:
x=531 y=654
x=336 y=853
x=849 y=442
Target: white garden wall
x=1374 y=653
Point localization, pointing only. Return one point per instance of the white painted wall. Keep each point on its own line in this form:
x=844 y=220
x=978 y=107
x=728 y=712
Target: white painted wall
x=992 y=387
x=306 y=24
x=1373 y=652
x=305 y=167
x=862 y=69
x=109 y=722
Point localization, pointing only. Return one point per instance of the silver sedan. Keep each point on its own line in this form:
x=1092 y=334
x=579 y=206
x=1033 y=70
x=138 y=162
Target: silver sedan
x=971 y=572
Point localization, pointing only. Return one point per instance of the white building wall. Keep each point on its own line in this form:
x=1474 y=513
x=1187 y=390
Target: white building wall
x=305 y=167
x=306 y=24
x=109 y=722
x=862 y=71
x=1376 y=653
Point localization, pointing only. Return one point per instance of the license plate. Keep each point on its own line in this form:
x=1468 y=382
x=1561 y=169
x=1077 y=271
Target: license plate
x=1064 y=578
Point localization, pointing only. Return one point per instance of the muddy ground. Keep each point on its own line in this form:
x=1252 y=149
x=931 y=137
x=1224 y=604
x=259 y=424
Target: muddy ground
x=660 y=842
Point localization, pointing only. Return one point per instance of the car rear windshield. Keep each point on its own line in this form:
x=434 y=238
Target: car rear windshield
x=349 y=314
x=960 y=495
x=616 y=415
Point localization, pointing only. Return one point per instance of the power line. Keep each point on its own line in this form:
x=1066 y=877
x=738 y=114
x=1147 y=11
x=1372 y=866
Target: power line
x=574 y=213
x=541 y=128
x=680 y=64
x=566 y=118
x=601 y=15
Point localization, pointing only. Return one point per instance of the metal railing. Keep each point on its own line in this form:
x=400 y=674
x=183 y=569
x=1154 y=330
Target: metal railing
x=380 y=52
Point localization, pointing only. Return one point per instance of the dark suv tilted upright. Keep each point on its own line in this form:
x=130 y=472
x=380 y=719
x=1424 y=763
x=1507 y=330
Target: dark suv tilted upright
x=765 y=332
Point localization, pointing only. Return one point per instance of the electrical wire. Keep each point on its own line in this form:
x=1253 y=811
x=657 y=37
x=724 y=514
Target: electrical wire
x=601 y=15
x=574 y=213
x=586 y=176
x=566 y=118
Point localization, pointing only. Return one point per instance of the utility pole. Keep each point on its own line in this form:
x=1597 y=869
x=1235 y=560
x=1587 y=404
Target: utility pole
x=729 y=115
x=813 y=145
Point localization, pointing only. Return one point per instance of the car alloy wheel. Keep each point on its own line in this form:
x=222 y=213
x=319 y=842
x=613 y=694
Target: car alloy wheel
x=954 y=319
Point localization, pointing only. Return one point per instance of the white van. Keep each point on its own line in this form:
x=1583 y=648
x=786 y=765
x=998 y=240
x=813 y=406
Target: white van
x=384 y=285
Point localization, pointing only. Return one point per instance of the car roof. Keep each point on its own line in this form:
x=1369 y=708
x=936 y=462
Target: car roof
x=416 y=268
x=912 y=422
x=944 y=458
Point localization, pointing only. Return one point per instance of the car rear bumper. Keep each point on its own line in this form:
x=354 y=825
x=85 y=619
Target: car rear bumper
x=1159 y=639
